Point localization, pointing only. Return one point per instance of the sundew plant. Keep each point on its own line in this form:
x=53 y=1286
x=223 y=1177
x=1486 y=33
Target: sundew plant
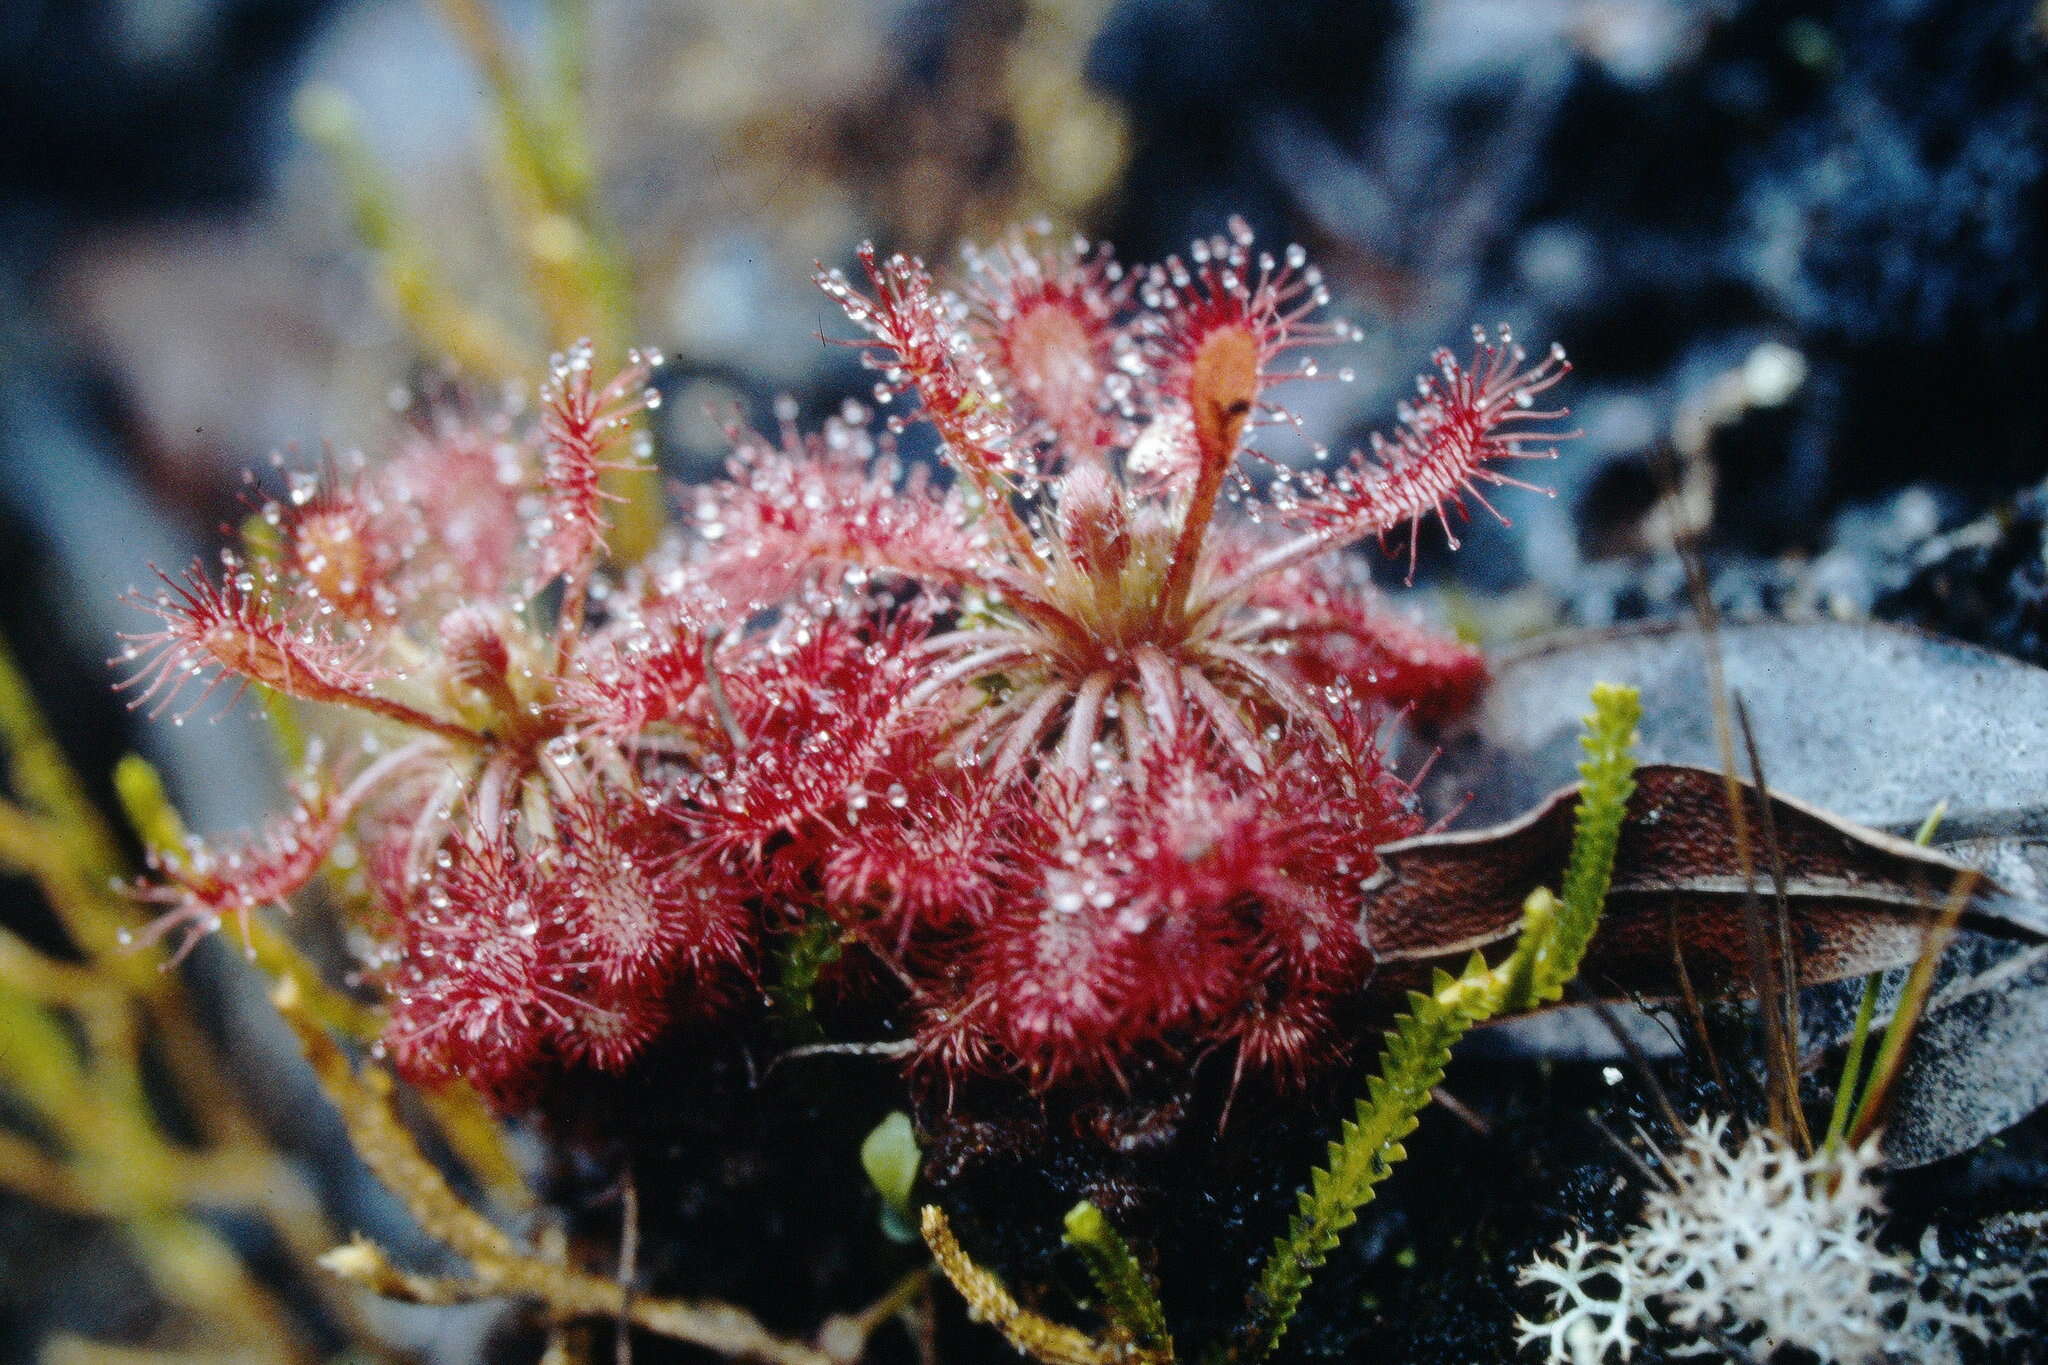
x=1074 y=750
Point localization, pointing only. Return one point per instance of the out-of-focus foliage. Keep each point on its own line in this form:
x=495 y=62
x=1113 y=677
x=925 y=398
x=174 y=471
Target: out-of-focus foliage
x=119 y=1106
x=516 y=176
x=1859 y=210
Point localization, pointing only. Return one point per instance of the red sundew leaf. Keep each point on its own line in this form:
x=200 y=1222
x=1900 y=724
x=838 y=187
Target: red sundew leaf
x=1084 y=971
x=1270 y=871
x=1185 y=973
x=1183 y=904
x=608 y=1028
x=835 y=501
x=1285 y=1038
x=579 y=424
x=207 y=883
x=338 y=545
x=234 y=628
x=1059 y=984
x=1213 y=332
x=238 y=629
x=932 y=854
x=452 y=502
x=1461 y=425
x=475 y=649
x=636 y=673
x=522 y=957
x=1056 y=963
x=1336 y=772
x=1048 y=318
x=472 y=996
x=1339 y=629
x=954 y=1038
x=1198 y=835
x=817 y=706
x=637 y=914
x=1093 y=520
x=919 y=342
x=385 y=837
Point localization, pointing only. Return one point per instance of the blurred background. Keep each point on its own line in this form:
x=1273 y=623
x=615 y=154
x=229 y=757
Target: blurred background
x=1796 y=252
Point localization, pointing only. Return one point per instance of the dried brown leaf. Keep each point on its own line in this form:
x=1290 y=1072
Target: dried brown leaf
x=1859 y=900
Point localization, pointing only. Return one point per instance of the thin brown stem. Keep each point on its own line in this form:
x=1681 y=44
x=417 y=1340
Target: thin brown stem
x=502 y=1266
x=1695 y=1014
x=415 y=718
x=844 y=1337
x=1787 y=963
x=1786 y=1118
x=1194 y=529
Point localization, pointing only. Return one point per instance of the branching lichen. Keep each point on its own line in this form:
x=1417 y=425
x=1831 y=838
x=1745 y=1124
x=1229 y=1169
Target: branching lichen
x=1748 y=1241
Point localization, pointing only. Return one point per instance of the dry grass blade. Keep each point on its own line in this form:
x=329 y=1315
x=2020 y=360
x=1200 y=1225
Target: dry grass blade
x=1770 y=988
x=1851 y=1083
x=1695 y=1013
x=1785 y=966
x=1891 y=1053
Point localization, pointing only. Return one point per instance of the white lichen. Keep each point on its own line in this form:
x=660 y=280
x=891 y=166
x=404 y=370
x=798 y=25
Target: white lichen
x=1749 y=1242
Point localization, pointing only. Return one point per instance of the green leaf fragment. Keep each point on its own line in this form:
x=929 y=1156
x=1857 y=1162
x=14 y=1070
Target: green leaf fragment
x=140 y=789
x=800 y=962
x=890 y=1157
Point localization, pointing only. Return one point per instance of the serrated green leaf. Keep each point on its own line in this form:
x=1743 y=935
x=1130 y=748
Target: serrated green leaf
x=1129 y=1297
x=1546 y=956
